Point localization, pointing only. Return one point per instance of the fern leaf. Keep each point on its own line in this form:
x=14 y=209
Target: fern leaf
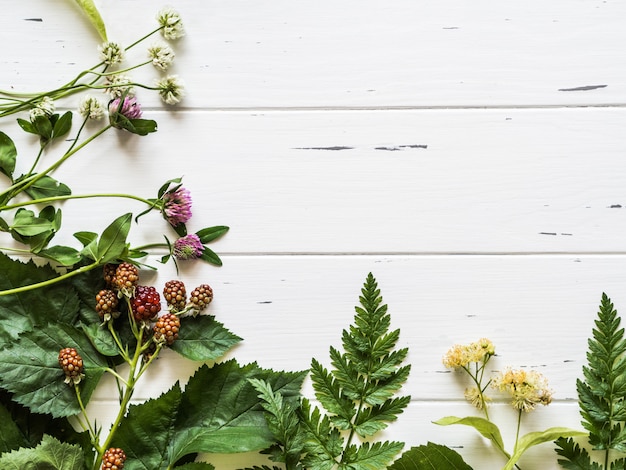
x=323 y=443
x=330 y=394
x=376 y=418
x=576 y=458
x=602 y=394
x=370 y=456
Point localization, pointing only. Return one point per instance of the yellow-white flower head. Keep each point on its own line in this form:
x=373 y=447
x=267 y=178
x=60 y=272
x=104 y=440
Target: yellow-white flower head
x=171 y=23
x=44 y=107
x=119 y=85
x=171 y=89
x=91 y=108
x=111 y=53
x=528 y=388
x=161 y=55
x=462 y=355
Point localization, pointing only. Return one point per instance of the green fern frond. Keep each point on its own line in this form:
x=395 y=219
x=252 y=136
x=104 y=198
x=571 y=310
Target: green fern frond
x=603 y=392
x=370 y=456
x=576 y=458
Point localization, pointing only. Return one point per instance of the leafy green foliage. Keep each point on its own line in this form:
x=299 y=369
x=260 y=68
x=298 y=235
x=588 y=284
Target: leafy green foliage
x=357 y=394
x=204 y=339
x=602 y=394
x=51 y=454
x=484 y=426
x=428 y=457
x=8 y=155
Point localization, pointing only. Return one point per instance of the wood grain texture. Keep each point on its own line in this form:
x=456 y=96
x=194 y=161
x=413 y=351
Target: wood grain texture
x=469 y=155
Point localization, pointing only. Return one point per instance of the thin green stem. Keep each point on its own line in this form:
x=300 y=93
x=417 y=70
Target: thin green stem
x=519 y=423
x=45 y=200
x=39 y=154
x=92 y=433
x=49 y=282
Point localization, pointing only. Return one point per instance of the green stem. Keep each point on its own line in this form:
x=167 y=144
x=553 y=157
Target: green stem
x=92 y=434
x=45 y=200
x=519 y=423
x=49 y=282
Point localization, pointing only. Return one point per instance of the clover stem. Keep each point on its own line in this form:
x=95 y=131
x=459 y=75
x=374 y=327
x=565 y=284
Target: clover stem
x=39 y=154
x=519 y=422
x=62 y=277
x=44 y=200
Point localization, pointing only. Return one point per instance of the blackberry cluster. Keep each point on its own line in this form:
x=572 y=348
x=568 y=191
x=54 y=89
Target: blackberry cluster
x=106 y=304
x=201 y=297
x=175 y=295
x=72 y=365
x=146 y=303
x=166 y=329
x=113 y=459
x=126 y=277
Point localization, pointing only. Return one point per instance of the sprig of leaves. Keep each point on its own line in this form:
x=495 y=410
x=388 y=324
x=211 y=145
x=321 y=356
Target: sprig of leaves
x=602 y=394
x=357 y=394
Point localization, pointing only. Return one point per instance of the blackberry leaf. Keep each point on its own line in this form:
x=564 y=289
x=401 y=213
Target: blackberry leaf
x=430 y=456
x=50 y=454
x=203 y=338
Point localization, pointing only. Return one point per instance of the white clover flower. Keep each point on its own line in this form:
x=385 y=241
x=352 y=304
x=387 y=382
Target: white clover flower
x=161 y=55
x=45 y=107
x=111 y=53
x=171 y=23
x=170 y=89
x=91 y=108
x=118 y=85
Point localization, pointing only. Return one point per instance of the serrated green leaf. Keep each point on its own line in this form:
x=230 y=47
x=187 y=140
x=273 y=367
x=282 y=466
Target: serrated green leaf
x=535 y=438
x=485 y=427
x=154 y=418
x=8 y=155
x=89 y=8
x=112 y=243
x=220 y=411
x=30 y=370
x=202 y=338
x=430 y=457
x=51 y=454
x=330 y=394
x=47 y=186
x=10 y=436
x=209 y=234
x=371 y=456
x=376 y=418
x=21 y=312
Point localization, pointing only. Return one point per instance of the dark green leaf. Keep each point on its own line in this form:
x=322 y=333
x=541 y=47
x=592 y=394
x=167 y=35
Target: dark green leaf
x=195 y=466
x=62 y=125
x=51 y=454
x=30 y=370
x=90 y=244
x=209 y=234
x=47 y=186
x=90 y=9
x=220 y=411
x=429 y=457
x=202 y=338
x=8 y=155
x=210 y=256
x=21 y=312
x=371 y=455
x=154 y=418
x=134 y=126
x=10 y=435
x=112 y=243
x=166 y=186
x=44 y=128
x=101 y=339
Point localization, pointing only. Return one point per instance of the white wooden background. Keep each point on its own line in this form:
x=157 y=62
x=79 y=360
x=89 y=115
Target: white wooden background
x=469 y=154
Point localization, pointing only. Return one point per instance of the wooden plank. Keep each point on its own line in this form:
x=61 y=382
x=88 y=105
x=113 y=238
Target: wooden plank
x=456 y=181
x=355 y=53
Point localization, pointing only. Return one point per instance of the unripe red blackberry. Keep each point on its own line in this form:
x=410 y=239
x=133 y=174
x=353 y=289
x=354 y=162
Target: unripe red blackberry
x=146 y=303
x=166 y=328
x=72 y=365
x=175 y=295
x=113 y=459
x=106 y=304
x=201 y=297
x=126 y=277
x=108 y=273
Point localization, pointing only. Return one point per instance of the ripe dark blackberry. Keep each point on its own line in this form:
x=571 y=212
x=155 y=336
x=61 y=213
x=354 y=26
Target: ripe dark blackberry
x=113 y=459
x=175 y=295
x=146 y=303
x=166 y=328
x=108 y=273
x=72 y=365
x=201 y=297
x=106 y=304
x=126 y=277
